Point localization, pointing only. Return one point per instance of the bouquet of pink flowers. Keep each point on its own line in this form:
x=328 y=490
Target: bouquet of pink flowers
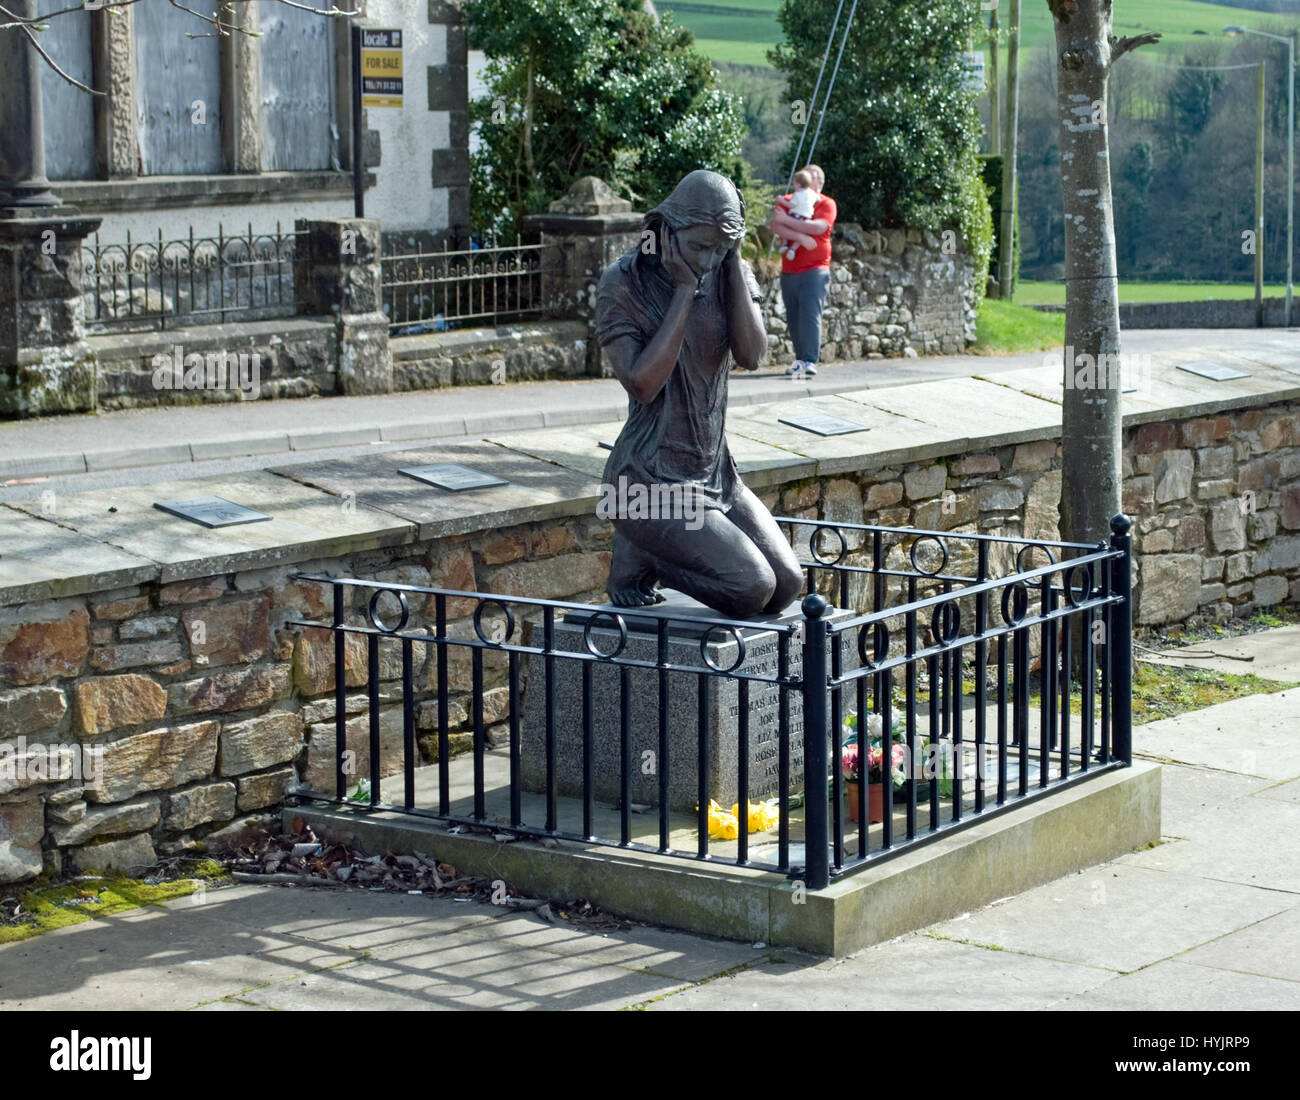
x=851 y=763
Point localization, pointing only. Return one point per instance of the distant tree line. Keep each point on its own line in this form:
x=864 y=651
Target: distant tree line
x=1182 y=143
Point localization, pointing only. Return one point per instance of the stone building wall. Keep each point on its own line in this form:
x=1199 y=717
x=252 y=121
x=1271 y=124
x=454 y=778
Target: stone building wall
x=208 y=702
x=896 y=292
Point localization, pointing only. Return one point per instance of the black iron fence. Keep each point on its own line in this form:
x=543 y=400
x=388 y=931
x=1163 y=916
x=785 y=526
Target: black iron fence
x=429 y=291
x=157 y=283
x=981 y=672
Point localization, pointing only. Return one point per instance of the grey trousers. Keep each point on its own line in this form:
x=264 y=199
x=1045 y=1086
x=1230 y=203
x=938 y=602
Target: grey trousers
x=804 y=294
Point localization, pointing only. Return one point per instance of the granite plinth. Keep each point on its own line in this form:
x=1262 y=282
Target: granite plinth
x=688 y=637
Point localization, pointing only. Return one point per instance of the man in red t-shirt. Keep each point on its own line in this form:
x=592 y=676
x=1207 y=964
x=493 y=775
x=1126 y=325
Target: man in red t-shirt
x=806 y=277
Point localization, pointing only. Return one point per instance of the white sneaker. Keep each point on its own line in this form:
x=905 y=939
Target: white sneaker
x=797 y=369
x=809 y=369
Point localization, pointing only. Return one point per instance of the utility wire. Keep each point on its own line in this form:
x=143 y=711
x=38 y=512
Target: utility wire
x=794 y=165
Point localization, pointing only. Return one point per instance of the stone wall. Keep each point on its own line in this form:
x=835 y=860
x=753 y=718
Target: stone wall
x=1217 y=507
x=295 y=357
x=517 y=353
x=1223 y=313
x=208 y=702
x=896 y=292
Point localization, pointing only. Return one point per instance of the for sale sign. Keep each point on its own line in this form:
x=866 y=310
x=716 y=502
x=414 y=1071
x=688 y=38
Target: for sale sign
x=381 y=67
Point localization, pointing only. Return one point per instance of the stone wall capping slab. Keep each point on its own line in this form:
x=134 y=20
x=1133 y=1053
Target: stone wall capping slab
x=306 y=524
x=537 y=490
x=41 y=560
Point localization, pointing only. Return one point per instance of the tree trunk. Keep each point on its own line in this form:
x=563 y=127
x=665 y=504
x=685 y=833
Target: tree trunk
x=1091 y=483
x=1007 y=222
x=995 y=123
x=528 y=124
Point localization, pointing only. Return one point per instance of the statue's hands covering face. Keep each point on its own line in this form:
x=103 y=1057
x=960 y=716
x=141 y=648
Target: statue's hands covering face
x=670 y=253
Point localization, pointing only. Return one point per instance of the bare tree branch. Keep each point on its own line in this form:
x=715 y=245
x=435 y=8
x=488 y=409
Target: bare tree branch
x=221 y=28
x=1121 y=46
x=50 y=61
x=32 y=21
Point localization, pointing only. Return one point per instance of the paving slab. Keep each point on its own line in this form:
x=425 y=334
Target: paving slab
x=465 y=971
x=1185 y=987
x=1271 y=654
x=40 y=560
x=151 y=959
x=536 y=490
x=1254 y=735
x=972 y=408
x=1186 y=793
x=344 y=919
x=305 y=524
x=1283 y=792
x=661 y=952
x=1249 y=841
x=1118 y=916
x=914 y=973
x=1267 y=948
x=888 y=437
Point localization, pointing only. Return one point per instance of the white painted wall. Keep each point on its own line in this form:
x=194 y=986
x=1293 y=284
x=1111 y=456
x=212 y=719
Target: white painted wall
x=404 y=196
x=175 y=223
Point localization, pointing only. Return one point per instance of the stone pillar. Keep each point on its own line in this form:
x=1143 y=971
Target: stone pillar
x=583 y=233
x=241 y=94
x=336 y=272
x=22 y=135
x=112 y=37
x=45 y=363
x=449 y=91
x=46 y=366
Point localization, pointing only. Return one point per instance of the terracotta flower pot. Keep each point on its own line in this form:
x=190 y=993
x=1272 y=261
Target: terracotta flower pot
x=875 y=801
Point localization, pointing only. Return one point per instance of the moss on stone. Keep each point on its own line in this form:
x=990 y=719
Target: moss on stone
x=49 y=905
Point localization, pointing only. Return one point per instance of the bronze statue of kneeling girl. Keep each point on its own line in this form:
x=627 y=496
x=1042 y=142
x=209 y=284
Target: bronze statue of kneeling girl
x=671 y=315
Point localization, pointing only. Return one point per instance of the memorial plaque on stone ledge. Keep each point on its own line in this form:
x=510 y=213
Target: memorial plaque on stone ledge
x=722 y=707
x=823 y=424
x=453 y=477
x=211 y=511
x=1217 y=372
x=606 y=444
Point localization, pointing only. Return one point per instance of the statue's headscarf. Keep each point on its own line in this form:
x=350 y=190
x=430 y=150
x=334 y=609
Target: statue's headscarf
x=702 y=198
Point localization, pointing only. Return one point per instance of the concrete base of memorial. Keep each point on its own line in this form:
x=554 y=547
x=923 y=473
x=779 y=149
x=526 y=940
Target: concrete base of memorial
x=1104 y=817
x=687 y=642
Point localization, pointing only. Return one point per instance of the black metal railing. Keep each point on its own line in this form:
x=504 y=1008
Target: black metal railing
x=160 y=283
x=621 y=728
x=429 y=291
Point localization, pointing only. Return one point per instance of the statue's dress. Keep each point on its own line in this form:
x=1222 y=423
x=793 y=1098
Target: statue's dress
x=677 y=438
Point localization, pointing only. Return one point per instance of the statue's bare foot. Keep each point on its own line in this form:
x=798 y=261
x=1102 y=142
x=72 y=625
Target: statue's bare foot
x=634 y=597
x=632 y=576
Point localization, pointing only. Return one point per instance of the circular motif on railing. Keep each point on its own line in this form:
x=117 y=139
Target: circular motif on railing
x=498 y=637
x=880 y=645
x=619 y=624
x=740 y=648
x=943 y=550
x=815 y=538
x=1015 y=603
x=1071 y=597
x=1021 y=567
x=945 y=624
x=373 y=611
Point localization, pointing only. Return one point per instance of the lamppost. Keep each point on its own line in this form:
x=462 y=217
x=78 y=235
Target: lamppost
x=1290 y=154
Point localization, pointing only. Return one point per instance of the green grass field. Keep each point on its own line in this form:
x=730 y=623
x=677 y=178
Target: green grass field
x=743 y=30
x=1005 y=329
x=739 y=31
x=1053 y=294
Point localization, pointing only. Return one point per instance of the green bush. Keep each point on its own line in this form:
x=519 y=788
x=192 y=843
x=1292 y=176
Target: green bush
x=590 y=87
x=900 y=140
